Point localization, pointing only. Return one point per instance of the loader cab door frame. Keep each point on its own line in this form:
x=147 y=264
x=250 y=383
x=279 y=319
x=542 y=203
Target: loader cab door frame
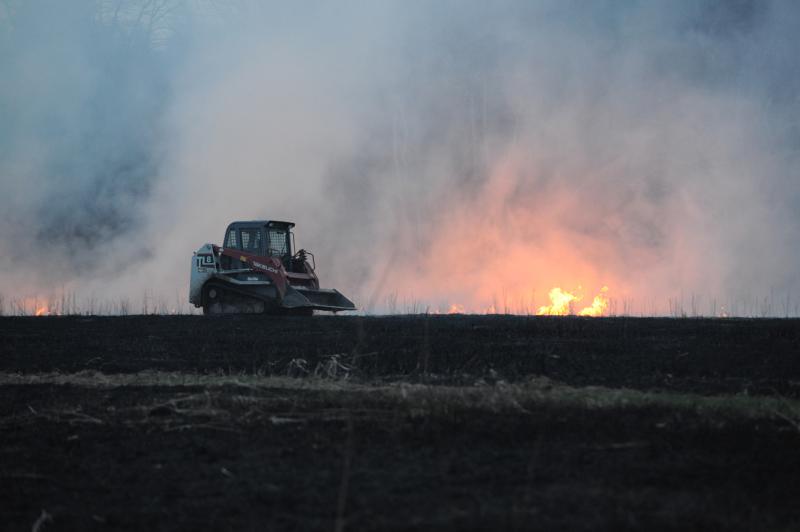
x=243 y=237
x=231 y=238
x=278 y=241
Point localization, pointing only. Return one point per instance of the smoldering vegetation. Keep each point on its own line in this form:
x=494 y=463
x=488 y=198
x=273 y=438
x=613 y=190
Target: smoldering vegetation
x=449 y=153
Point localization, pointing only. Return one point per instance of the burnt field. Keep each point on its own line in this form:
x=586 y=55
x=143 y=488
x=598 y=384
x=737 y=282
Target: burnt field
x=417 y=422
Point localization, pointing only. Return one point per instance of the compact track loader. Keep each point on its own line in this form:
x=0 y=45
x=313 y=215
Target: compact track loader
x=256 y=271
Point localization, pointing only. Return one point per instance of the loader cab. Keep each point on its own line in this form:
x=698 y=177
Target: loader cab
x=261 y=237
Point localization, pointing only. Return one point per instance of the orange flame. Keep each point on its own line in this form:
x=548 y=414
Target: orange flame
x=35 y=306
x=456 y=309
x=599 y=305
x=562 y=304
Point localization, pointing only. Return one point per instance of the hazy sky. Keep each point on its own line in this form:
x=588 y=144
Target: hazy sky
x=447 y=152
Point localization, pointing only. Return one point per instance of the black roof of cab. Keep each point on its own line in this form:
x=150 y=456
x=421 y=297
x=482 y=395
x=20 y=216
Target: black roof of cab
x=262 y=223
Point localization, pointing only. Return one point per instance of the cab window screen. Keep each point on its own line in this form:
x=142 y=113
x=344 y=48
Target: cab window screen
x=251 y=240
x=278 y=242
x=231 y=243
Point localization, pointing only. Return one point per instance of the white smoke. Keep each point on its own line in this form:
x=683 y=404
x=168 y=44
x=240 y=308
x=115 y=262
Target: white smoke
x=647 y=144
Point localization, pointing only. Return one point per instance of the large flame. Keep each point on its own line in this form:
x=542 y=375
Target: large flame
x=562 y=303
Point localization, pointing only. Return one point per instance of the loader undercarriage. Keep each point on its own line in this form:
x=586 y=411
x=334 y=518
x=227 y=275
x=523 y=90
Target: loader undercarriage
x=219 y=298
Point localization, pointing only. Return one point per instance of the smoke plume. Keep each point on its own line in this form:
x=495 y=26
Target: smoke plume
x=432 y=154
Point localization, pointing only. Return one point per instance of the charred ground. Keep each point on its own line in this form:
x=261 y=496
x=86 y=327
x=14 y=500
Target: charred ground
x=418 y=422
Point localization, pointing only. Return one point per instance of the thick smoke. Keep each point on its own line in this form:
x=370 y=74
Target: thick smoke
x=431 y=154
x=81 y=94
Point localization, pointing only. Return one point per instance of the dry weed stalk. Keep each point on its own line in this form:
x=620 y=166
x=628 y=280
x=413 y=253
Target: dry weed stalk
x=43 y=518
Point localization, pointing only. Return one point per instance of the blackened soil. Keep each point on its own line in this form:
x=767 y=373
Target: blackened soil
x=161 y=458
x=148 y=457
x=705 y=356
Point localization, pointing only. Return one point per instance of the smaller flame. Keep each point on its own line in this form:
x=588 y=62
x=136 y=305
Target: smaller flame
x=456 y=309
x=599 y=305
x=42 y=311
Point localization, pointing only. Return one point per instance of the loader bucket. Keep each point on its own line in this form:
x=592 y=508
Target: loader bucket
x=322 y=299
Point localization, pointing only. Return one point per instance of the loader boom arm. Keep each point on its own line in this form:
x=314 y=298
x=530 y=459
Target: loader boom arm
x=269 y=266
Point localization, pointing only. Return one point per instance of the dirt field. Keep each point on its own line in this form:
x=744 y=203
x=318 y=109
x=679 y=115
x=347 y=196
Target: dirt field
x=428 y=422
